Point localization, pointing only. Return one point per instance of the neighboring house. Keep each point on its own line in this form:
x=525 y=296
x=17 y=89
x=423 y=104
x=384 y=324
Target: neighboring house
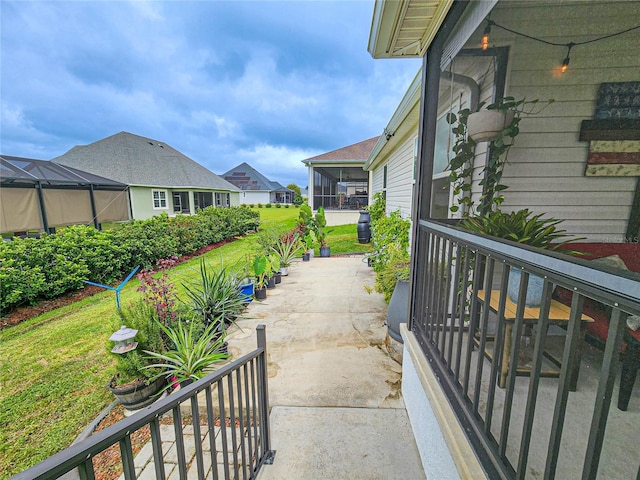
x=38 y=195
x=339 y=183
x=578 y=160
x=256 y=188
x=160 y=178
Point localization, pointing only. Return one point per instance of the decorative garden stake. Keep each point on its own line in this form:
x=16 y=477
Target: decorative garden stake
x=124 y=336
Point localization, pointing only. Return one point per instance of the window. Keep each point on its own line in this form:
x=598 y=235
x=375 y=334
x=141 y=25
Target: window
x=159 y=199
x=222 y=200
x=202 y=199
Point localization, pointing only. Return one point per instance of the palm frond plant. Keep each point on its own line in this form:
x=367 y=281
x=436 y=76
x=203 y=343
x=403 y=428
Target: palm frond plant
x=192 y=356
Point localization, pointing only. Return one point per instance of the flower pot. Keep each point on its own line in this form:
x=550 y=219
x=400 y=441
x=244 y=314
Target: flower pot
x=271 y=282
x=284 y=271
x=260 y=293
x=325 y=251
x=246 y=290
x=138 y=395
x=306 y=257
x=398 y=310
x=486 y=125
x=278 y=277
x=534 y=288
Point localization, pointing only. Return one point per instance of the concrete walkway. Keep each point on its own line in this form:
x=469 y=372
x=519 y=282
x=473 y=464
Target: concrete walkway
x=336 y=405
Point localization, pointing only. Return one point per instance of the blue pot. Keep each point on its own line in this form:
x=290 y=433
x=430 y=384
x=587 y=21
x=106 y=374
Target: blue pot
x=246 y=291
x=534 y=288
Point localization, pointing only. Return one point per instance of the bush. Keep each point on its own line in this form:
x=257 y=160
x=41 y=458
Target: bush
x=278 y=205
x=31 y=268
x=268 y=205
x=286 y=205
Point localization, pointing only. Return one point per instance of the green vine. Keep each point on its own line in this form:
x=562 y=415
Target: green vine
x=461 y=165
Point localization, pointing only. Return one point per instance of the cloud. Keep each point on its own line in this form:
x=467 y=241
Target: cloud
x=223 y=82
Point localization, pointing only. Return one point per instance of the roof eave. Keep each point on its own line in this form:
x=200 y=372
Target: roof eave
x=391 y=16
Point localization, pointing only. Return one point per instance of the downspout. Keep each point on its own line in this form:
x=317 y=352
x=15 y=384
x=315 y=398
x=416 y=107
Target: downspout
x=470 y=83
x=43 y=210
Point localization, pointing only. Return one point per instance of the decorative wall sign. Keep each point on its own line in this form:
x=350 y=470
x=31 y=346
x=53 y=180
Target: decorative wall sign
x=614 y=135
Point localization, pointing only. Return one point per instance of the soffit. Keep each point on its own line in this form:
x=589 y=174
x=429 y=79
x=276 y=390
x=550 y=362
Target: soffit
x=405 y=28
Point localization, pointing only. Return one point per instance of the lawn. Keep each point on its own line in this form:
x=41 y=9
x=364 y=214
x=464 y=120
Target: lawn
x=54 y=368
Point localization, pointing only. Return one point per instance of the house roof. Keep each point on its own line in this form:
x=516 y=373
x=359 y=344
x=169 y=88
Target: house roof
x=356 y=153
x=142 y=161
x=245 y=177
x=19 y=170
x=405 y=29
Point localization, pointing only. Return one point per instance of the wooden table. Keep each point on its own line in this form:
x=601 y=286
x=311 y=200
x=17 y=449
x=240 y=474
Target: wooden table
x=559 y=314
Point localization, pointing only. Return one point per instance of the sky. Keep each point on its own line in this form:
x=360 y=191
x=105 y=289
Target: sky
x=224 y=82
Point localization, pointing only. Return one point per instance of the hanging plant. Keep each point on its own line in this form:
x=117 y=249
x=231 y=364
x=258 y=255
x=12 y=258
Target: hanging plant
x=509 y=111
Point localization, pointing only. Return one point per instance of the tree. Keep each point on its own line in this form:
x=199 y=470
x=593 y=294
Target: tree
x=297 y=200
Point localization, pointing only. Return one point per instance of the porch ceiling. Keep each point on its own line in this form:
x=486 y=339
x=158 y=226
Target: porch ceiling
x=405 y=29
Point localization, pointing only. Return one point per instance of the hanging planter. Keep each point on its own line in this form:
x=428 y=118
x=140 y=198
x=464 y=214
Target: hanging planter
x=486 y=125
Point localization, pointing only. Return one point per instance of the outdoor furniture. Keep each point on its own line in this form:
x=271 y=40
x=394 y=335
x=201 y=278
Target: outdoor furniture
x=558 y=315
x=598 y=330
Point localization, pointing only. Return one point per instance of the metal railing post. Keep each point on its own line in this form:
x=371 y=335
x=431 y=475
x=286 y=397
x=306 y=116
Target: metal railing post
x=263 y=377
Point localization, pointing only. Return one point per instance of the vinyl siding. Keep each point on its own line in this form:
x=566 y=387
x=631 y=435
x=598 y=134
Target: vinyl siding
x=547 y=163
x=400 y=178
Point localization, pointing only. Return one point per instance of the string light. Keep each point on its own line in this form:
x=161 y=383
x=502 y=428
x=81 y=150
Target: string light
x=484 y=42
x=485 y=36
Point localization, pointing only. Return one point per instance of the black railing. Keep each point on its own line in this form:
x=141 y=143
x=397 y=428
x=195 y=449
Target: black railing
x=216 y=428
x=493 y=354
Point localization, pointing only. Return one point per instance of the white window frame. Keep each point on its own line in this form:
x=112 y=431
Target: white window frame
x=162 y=199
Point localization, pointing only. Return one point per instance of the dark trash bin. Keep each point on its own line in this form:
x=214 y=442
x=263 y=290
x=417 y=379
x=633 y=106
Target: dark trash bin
x=364 y=227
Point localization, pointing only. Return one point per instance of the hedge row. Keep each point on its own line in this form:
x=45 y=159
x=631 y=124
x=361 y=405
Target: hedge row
x=31 y=268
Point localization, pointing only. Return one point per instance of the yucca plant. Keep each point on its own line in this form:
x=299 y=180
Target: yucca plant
x=520 y=227
x=287 y=249
x=193 y=355
x=216 y=295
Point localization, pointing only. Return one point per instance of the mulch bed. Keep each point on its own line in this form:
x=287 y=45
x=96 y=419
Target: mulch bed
x=21 y=314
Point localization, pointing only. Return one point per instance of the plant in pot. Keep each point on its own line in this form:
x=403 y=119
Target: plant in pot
x=307 y=241
x=287 y=248
x=135 y=385
x=193 y=353
x=461 y=165
x=260 y=266
x=320 y=222
x=522 y=227
x=274 y=266
x=215 y=296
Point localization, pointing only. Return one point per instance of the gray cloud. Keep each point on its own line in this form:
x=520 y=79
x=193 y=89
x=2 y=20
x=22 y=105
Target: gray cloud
x=269 y=83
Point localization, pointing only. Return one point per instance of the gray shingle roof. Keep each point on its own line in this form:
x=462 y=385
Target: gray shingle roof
x=137 y=160
x=245 y=177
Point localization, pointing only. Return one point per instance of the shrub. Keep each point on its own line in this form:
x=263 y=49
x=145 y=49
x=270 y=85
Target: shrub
x=54 y=264
x=268 y=205
x=278 y=205
x=286 y=205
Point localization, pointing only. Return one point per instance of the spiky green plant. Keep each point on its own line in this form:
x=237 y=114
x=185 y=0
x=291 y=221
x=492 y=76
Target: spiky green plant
x=193 y=355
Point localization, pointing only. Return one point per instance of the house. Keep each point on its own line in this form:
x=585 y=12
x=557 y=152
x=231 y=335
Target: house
x=160 y=178
x=339 y=182
x=256 y=188
x=41 y=195
x=577 y=159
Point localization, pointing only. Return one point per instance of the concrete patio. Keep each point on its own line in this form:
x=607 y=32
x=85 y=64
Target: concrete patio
x=336 y=406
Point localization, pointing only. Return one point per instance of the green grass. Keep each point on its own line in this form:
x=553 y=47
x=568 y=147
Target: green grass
x=54 y=368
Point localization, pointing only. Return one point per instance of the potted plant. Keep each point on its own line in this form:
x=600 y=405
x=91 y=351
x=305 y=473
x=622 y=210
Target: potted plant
x=308 y=247
x=287 y=248
x=192 y=355
x=522 y=227
x=274 y=264
x=467 y=136
x=215 y=295
x=134 y=385
x=320 y=222
x=260 y=272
